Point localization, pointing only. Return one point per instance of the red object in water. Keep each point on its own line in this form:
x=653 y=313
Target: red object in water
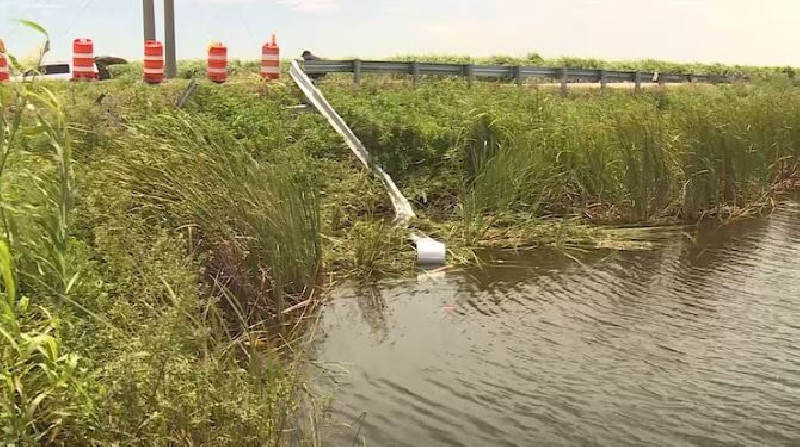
x=449 y=308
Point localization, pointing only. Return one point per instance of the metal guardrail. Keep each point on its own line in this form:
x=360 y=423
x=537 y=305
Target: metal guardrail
x=516 y=73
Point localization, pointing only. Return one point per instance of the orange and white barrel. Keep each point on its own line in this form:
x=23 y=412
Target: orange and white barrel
x=217 y=69
x=5 y=73
x=271 y=60
x=83 y=67
x=153 y=62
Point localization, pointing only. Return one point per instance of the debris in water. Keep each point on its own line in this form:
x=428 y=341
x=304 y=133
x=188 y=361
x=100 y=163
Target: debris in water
x=430 y=252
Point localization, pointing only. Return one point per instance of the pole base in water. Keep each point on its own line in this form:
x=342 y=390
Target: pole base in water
x=430 y=252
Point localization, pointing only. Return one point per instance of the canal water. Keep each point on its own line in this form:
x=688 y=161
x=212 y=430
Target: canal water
x=695 y=343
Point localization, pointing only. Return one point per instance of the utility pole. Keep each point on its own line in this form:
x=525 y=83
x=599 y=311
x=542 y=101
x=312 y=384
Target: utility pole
x=149 y=9
x=170 y=65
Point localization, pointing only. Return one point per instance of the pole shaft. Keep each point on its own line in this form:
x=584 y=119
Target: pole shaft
x=149 y=19
x=170 y=64
x=469 y=73
x=357 y=72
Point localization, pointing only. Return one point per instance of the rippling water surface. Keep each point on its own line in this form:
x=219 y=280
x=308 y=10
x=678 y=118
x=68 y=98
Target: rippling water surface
x=697 y=343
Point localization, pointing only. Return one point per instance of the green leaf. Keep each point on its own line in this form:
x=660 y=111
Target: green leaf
x=35 y=26
x=36 y=401
x=14 y=62
x=10 y=339
x=71 y=283
x=71 y=362
x=6 y=270
x=22 y=305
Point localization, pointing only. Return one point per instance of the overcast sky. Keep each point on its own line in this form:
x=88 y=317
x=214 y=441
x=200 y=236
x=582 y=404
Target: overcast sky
x=729 y=31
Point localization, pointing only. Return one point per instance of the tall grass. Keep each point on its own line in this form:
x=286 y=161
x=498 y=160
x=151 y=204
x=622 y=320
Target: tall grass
x=266 y=212
x=666 y=155
x=145 y=264
x=45 y=392
x=713 y=154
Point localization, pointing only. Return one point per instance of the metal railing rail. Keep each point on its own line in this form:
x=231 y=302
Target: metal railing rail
x=515 y=73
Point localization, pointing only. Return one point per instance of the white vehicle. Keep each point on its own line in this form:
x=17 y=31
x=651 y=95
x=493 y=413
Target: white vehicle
x=62 y=70
x=48 y=71
x=57 y=70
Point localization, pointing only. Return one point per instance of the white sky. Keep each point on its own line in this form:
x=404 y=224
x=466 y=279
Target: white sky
x=732 y=31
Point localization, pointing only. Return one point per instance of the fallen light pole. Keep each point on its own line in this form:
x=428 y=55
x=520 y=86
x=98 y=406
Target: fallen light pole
x=430 y=252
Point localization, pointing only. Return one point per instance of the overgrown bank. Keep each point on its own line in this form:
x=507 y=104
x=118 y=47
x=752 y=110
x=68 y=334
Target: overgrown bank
x=153 y=254
x=149 y=260
x=493 y=157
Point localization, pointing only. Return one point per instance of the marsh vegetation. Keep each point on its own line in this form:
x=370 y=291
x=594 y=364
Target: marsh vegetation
x=159 y=265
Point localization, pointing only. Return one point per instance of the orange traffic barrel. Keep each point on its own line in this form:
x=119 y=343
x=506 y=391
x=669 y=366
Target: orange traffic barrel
x=153 y=62
x=83 y=60
x=5 y=74
x=217 y=62
x=271 y=60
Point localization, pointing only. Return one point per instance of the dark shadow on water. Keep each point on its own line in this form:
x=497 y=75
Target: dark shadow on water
x=373 y=309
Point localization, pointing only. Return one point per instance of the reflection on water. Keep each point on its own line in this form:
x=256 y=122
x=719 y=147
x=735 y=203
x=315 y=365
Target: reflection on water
x=696 y=343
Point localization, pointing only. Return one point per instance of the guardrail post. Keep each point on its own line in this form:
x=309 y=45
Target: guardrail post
x=518 y=75
x=415 y=71
x=357 y=71
x=564 y=80
x=638 y=80
x=603 y=79
x=190 y=89
x=469 y=73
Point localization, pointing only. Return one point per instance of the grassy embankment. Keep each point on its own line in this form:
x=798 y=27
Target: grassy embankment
x=149 y=255
x=149 y=262
x=492 y=164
